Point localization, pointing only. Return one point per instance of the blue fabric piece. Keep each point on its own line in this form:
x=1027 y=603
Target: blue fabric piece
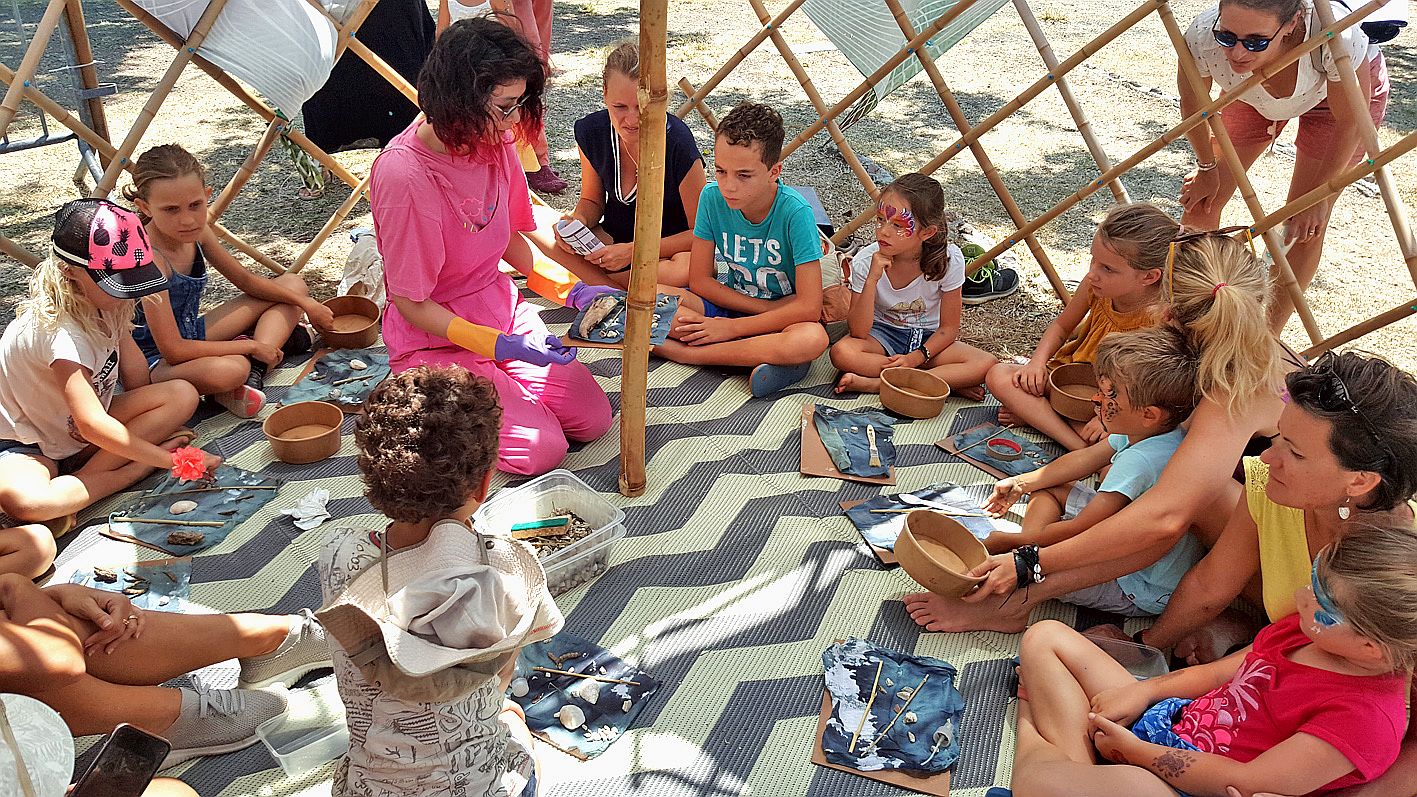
x=333 y=367
x=184 y=293
x=881 y=529
x=1156 y=724
x=231 y=506
x=548 y=693
x=898 y=340
x=850 y=671
x=761 y=259
x=843 y=432
x=1033 y=455
x=611 y=329
x=166 y=578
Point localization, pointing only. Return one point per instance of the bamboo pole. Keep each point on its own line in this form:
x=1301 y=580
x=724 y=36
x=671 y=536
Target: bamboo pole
x=13 y=249
x=1199 y=117
x=247 y=249
x=164 y=87
x=976 y=148
x=1362 y=328
x=88 y=72
x=699 y=105
x=347 y=40
x=732 y=63
x=1085 y=52
x=649 y=212
x=1337 y=183
x=1368 y=133
x=336 y=219
x=815 y=97
x=1045 y=49
x=247 y=169
x=1272 y=238
x=29 y=64
x=871 y=80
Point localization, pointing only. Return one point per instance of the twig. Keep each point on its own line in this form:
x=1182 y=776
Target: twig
x=211 y=524
x=887 y=730
x=907 y=510
x=986 y=438
x=351 y=379
x=852 y=747
x=160 y=496
x=121 y=537
x=586 y=675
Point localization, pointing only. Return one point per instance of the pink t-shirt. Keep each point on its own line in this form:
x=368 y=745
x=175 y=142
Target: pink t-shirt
x=1271 y=698
x=443 y=223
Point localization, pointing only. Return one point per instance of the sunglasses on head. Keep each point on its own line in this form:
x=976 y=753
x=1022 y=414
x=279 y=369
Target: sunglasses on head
x=1255 y=44
x=1186 y=237
x=1333 y=396
x=1327 y=614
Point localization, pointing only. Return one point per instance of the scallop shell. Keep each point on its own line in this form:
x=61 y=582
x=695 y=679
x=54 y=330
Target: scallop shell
x=910 y=736
x=889 y=682
x=182 y=507
x=910 y=718
x=625 y=706
x=905 y=693
x=571 y=717
x=586 y=690
x=358 y=365
x=520 y=687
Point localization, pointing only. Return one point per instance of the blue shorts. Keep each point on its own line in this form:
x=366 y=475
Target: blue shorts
x=712 y=310
x=14 y=448
x=899 y=340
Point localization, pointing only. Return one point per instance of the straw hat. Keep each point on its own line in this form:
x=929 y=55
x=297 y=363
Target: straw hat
x=439 y=619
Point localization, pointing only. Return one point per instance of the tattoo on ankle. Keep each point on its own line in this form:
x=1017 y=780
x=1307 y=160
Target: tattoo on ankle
x=1172 y=763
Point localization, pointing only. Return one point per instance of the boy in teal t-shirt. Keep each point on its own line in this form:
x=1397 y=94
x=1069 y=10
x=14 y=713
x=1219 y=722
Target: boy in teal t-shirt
x=765 y=313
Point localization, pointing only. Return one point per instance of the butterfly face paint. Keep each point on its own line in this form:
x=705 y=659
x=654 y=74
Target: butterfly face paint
x=901 y=220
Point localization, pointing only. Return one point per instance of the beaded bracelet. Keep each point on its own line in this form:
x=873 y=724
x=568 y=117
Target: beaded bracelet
x=1027 y=568
x=1205 y=167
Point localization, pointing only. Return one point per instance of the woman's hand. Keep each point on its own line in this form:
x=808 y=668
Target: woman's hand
x=115 y=617
x=266 y=353
x=1006 y=494
x=612 y=257
x=1122 y=704
x=1199 y=190
x=1307 y=225
x=321 y=316
x=999 y=574
x=1032 y=378
x=1114 y=742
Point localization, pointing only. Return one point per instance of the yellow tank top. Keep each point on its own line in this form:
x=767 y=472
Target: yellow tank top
x=1284 y=544
x=1101 y=320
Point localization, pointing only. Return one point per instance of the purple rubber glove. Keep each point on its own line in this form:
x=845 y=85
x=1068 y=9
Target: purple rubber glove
x=582 y=295
x=535 y=349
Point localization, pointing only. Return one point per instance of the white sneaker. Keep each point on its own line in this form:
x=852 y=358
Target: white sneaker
x=215 y=721
x=305 y=649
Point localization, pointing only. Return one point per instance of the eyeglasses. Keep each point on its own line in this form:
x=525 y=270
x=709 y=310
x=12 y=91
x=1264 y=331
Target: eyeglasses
x=1333 y=396
x=1255 y=44
x=1327 y=614
x=507 y=112
x=1186 y=237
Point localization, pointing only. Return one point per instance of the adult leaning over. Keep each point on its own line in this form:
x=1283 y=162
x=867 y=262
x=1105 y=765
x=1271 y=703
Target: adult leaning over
x=1240 y=37
x=1217 y=292
x=609 y=143
x=1346 y=450
x=450 y=202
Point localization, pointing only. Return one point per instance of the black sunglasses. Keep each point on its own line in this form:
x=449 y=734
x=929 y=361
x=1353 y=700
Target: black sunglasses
x=1255 y=44
x=1334 y=397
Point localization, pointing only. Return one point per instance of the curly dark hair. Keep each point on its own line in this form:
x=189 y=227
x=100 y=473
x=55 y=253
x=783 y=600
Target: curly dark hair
x=1371 y=407
x=469 y=61
x=753 y=123
x=427 y=439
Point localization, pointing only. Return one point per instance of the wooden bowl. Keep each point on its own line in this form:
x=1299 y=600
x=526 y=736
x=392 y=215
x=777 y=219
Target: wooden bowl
x=305 y=432
x=938 y=552
x=356 y=324
x=1070 y=391
x=913 y=393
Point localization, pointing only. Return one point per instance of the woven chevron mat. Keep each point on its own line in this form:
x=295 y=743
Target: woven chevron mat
x=736 y=573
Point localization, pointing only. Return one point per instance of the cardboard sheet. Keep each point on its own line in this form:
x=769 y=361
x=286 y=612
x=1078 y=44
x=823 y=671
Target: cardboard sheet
x=817 y=462
x=938 y=785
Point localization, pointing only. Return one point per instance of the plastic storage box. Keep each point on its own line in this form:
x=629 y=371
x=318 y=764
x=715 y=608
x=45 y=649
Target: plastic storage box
x=1142 y=661
x=300 y=745
x=543 y=497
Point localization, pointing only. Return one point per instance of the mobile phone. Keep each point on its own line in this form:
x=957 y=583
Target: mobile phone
x=125 y=764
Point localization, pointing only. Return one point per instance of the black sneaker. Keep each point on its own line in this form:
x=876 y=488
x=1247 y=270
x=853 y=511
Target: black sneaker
x=988 y=283
x=256 y=380
x=299 y=341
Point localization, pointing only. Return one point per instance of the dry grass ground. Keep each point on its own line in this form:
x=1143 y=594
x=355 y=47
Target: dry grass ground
x=1037 y=151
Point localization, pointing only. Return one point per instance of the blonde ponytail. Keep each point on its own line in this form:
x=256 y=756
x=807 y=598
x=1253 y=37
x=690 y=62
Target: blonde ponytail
x=54 y=299
x=1219 y=293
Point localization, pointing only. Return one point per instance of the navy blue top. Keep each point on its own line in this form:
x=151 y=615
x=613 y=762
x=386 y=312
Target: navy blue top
x=599 y=143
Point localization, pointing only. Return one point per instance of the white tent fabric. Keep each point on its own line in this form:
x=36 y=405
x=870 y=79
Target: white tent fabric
x=868 y=36
x=282 y=48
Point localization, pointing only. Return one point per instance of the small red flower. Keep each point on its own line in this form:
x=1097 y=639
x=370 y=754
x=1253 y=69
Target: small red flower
x=188 y=464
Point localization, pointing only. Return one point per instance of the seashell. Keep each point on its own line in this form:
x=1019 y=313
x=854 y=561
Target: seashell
x=625 y=706
x=905 y=693
x=596 y=312
x=520 y=687
x=164 y=600
x=910 y=718
x=889 y=682
x=317 y=376
x=335 y=393
x=358 y=365
x=586 y=690
x=182 y=507
x=571 y=717
x=910 y=736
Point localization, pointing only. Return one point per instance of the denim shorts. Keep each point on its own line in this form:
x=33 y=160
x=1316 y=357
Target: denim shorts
x=899 y=340
x=712 y=310
x=14 y=448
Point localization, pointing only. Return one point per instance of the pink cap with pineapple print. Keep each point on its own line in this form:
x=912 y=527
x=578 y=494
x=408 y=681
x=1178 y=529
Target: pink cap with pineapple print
x=107 y=241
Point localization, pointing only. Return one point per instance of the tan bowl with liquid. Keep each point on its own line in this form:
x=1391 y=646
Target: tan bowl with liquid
x=913 y=393
x=1070 y=391
x=356 y=324
x=305 y=432
x=938 y=552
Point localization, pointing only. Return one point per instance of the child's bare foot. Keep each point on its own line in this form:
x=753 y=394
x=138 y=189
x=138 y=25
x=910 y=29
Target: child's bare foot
x=971 y=393
x=858 y=384
x=1215 y=639
x=1007 y=417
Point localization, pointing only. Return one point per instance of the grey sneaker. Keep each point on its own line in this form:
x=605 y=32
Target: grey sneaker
x=305 y=649
x=214 y=721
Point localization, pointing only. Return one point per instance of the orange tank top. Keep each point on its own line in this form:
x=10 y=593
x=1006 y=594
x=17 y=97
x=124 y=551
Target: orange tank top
x=1101 y=320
